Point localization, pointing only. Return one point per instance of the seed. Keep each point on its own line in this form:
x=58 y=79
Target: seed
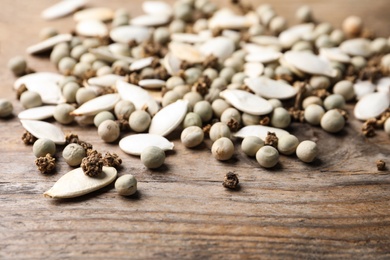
x=352 y=25
x=30 y=99
x=75 y=183
x=123 y=109
x=332 y=121
x=387 y=126
x=219 y=130
x=310 y=101
x=44 y=146
x=109 y=131
x=248 y=119
x=267 y=156
x=69 y=91
x=139 y=121
x=192 y=119
x=307 y=151
x=222 y=149
x=62 y=113
x=153 y=157
x=314 y=113
x=73 y=154
x=126 y=185
x=344 y=88
x=6 y=108
x=41 y=129
x=219 y=106
x=17 y=65
x=287 y=144
x=135 y=144
x=102 y=116
x=192 y=136
x=280 y=118
x=204 y=110
x=259 y=131
x=47 y=32
x=231 y=114
x=251 y=144
x=334 y=101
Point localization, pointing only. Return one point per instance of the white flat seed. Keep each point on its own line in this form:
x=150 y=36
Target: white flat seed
x=220 y=47
x=168 y=118
x=230 y=21
x=253 y=69
x=186 y=52
x=362 y=88
x=357 y=47
x=76 y=183
x=383 y=85
x=372 y=105
x=37 y=113
x=247 y=102
x=45 y=84
x=91 y=28
x=259 y=131
x=189 y=37
x=264 y=40
x=96 y=105
x=49 y=43
x=126 y=34
x=105 y=80
x=95 y=13
x=102 y=53
x=62 y=8
x=309 y=63
x=141 y=63
x=150 y=20
x=157 y=8
x=293 y=69
x=172 y=64
x=41 y=129
x=295 y=33
x=265 y=56
x=269 y=88
x=135 y=144
x=139 y=96
x=151 y=83
x=334 y=54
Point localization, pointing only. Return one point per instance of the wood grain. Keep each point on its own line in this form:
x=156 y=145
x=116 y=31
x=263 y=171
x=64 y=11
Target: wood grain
x=336 y=208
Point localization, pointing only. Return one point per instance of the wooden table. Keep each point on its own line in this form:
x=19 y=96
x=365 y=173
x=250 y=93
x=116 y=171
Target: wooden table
x=336 y=207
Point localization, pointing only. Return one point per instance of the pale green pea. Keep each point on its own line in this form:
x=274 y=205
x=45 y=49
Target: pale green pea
x=153 y=157
x=75 y=41
x=219 y=106
x=344 y=88
x=59 y=51
x=73 y=154
x=44 y=146
x=101 y=117
x=96 y=65
x=231 y=114
x=192 y=98
x=69 y=91
x=182 y=90
x=66 y=80
x=109 y=131
x=334 y=101
x=287 y=144
x=126 y=185
x=177 y=26
x=219 y=83
x=332 y=121
x=227 y=74
x=161 y=35
x=212 y=95
x=77 y=51
x=313 y=114
x=173 y=82
x=6 y=107
x=267 y=156
x=251 y=144
x=30 y=99
x=147 y=73
x=280 y=118
x=210 y=73
x=319 y=82
x=81 y=68
x=204 y=110
x=169 y=98
x=139 y=121
x=183 y=11
x=311 y=100
x=66 y=65
x=84 y=94
x=62 y=113
x=219 y=130
x=307 y=151
x=192 y=75
x=88 y=58
x=275 y=103
x=17 y=65
x=192 y=119
x=239 y=77
x=248 y=119
x=123 y=109
x=222 y=149
x=358 y=62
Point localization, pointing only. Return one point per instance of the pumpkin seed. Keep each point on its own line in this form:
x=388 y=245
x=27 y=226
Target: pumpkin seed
x=96 y=13
x=259 y=131
x=186 y=52
x=75 y=183
x=91 y=28
x=62 y=8
x=135 y=144
x=142 y=63
x=357 y=47
x=49 y=43
x=253 y=69
x=220 y=47
x=41 y=129
x=96 y=105
x=150 y=20
x=126 y=34
x=334 y=54
x=157 y=8
x=105 y=80
x=372 y=105
x=295 y=33
x=168 y=118
x=247 y=102
x=151 y=83
x=269 y=88
x=37 y=113
x=104 y=54
x=362 y=88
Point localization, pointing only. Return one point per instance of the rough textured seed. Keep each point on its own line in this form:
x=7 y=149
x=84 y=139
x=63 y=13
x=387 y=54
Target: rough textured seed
x=84 y=94
x=334 y=101
x=192 y=119
x=41 y=129
x=30 y=99
x=314 y=113
x=139 y=120
x=75 y=183
x=287 y=144
x=73 y=154
x=44 y=146
x=62 y=113
x=192 y=136
x=222 y=149
x=204 y=110
x=332 y=121
x=6 y=107
x=17 y=65
x=267 y=156
x=219 y=130
x=101 y=117
x=251 y=144
x=307 y=151
x=109 y=131
x=69 y=91
x=344 y=88
x=153 y=157
x=387 y=126
x=126 y=185
x=280 y=118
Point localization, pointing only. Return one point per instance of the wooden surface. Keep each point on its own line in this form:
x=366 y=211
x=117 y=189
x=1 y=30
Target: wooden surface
x=335 y=208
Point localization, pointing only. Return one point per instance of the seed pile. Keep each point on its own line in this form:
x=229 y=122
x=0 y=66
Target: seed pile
x=222 y=74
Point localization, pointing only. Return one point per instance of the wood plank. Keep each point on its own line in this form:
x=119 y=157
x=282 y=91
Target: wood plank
x=337 y=207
